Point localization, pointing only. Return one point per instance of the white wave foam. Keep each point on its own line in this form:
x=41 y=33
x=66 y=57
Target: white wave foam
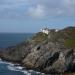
x=43 y=74
x=26 y=72
x=31 y=71
x=0 y=59
x=38 y=73
x=3 y=62
x=11 y=68
x=16 y=67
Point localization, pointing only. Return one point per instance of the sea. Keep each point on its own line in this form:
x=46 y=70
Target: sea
x=12 y=39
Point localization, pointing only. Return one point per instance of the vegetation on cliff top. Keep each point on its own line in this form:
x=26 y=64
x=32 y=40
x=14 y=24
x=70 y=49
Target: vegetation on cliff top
x=70 y=40
x=39 y=37
x=67 y=36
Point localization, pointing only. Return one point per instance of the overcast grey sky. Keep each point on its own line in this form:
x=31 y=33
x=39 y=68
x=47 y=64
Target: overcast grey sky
x=31 y=15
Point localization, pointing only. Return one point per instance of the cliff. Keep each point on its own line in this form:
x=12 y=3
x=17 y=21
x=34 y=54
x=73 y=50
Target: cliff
x=52 y=53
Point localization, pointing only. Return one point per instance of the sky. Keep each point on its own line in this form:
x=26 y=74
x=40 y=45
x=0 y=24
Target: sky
x=30 y=16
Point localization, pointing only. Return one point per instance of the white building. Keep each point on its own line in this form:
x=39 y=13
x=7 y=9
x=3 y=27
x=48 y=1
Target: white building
x=45 y=30
x=56 y=30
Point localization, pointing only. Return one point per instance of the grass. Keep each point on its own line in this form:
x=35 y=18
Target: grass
x=70 y=37
x=40 y=37
x=71 y=32
x=70 y=43
x=68 y=74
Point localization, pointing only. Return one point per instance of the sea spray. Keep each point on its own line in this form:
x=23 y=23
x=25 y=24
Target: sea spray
x=18 y=68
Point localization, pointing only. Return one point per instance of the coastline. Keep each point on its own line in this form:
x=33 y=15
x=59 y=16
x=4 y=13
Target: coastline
x=19 y=67
x=47 y=53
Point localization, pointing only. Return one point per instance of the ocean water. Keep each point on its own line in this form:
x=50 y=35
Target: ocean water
x=12 y=39
x=6 y=68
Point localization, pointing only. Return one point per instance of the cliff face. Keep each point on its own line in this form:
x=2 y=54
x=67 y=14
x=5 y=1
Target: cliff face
x=52 y=53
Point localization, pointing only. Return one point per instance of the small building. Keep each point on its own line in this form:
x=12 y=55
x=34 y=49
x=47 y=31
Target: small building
x=45 y=30
x=56 y=30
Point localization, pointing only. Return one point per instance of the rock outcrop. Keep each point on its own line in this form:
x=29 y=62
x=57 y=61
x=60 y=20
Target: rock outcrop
x=52 y=53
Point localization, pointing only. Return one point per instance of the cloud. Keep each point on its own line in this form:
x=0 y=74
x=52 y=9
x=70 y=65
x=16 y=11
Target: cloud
x=59 y=7
x=69 y=7
x=37 y=12
x=13 y=8
x=36 y=8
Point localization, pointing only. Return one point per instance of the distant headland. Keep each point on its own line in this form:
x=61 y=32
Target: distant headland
x=50 y=51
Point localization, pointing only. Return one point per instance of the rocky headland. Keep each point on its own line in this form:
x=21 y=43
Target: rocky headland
x=49 y=53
